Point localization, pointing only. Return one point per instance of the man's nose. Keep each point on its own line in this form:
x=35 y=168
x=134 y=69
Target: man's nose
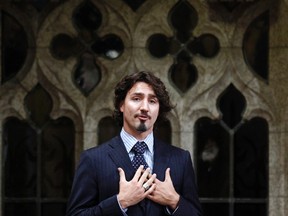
x=144 y=105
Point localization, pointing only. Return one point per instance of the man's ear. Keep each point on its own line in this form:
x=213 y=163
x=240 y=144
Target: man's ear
x=121 y=106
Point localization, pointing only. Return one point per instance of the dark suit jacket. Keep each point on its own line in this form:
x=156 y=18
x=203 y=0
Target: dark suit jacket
x=96 y=181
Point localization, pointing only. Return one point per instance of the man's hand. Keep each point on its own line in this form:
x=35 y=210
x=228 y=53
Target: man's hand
x=132 y=192
x=165 y=194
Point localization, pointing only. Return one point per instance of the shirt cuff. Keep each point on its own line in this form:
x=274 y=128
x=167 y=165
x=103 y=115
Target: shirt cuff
x=169 y=211
x=124 y=210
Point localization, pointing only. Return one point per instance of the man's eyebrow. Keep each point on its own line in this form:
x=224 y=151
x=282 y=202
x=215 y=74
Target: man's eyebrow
x=137 y=94
x=153 y=95
x=141 y=94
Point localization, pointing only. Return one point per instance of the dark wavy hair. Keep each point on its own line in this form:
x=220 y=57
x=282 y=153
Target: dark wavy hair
x=128 y=82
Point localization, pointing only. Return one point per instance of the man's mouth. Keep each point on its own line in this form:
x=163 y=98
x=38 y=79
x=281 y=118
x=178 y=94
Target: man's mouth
x=142 y=117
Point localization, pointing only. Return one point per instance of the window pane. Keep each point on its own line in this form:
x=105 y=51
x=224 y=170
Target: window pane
x=110 y=46
x=251 y=160
x=39 y=104
x=163 y=131
x=19 y=209
x=55 y=209
x=14 y=46
x=250 y=209
x=206 y=45
x=183 y=74
x=57 y=158
x=232 y=105
x=212 y=143
x=107 y=129
x=87 y=74
x=256 y=45
x=183 y=18
x=158 y=45
x=215 y=209
x=64 y=46
x=20 y=157
x=87 y=17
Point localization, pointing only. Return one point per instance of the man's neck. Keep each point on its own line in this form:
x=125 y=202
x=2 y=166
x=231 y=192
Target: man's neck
x=139 y=135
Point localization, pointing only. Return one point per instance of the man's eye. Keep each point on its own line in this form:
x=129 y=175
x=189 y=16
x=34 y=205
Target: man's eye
x=136 y=99
x=153 y=101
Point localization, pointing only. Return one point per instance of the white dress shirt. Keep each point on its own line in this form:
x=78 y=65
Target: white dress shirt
x=129 y=141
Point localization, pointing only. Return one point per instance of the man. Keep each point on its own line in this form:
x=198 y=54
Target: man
x=117 y=179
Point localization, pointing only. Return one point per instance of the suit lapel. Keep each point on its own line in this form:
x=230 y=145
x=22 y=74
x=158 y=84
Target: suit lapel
x=161 y=159
x=161 y=163
x=120 y=157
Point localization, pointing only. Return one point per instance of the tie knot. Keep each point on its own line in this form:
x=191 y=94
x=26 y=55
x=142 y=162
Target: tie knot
x=140 y=147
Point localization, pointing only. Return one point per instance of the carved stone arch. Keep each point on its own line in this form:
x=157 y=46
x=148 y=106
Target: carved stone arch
x=187 y=137
x=176 y=128
x=257 y=103
x=91 y=126
x=208 y=72
x=206 y=101
x=59 y=22
x=63 y=107
x=117 y=22
x=243 y=22
x=262 y=113
x=206 y=23
x=110 y=13
x=9 y=103
x=257 y=106
x=58 y=72
x=94 y=116
x=148 y=24
x=238 y=37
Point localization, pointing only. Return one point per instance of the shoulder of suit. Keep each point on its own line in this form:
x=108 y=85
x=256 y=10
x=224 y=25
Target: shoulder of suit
x=105 y=146
x=169 y=146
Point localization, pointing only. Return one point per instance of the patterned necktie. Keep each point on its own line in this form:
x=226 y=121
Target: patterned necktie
x=138 y=159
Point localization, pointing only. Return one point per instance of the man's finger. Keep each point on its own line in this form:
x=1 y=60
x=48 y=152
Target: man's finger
x=150 y=190
x=144 y=176
x=149 y=182
x=167 y=175
x=138 y=173
x=121 y=174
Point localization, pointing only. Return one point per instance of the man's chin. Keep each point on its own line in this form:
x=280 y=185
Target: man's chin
x=142 y=127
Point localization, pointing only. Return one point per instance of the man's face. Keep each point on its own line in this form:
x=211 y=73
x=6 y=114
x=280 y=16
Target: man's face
x=140 y=110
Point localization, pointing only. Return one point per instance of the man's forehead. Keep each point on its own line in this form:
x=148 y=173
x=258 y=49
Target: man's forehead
x=142 y=88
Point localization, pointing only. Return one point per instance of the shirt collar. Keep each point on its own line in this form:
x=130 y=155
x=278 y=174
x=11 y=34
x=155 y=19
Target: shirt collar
x=129 y=140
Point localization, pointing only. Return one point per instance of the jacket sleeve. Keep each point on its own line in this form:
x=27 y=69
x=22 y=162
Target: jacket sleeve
x=189 y=204
x=84 y=194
